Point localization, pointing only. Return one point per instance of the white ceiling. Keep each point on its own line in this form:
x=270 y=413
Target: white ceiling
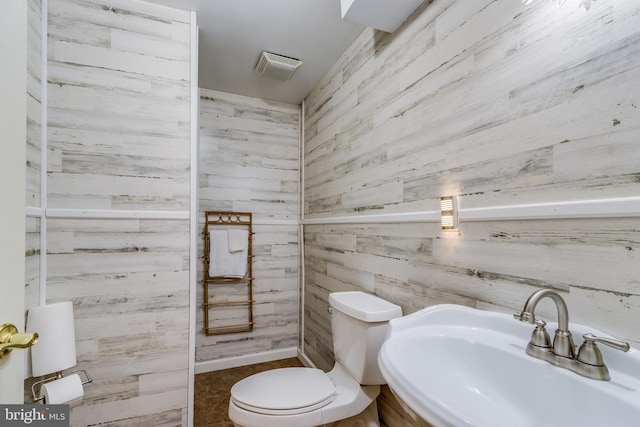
x=233 y=34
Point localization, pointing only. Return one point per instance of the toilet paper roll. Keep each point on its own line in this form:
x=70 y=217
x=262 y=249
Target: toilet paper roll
x=65 y=390
x=56 y=347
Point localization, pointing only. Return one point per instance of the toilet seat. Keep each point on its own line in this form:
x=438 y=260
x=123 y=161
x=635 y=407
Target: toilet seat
x=349 y=399
x=285 y=391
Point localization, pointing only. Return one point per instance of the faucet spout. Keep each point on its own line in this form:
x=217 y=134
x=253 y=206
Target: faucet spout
x=563 y=342
x=528 y=311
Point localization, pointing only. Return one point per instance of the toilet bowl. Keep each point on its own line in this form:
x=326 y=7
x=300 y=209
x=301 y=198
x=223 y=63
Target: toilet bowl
x=313 y=398
x=308 y=397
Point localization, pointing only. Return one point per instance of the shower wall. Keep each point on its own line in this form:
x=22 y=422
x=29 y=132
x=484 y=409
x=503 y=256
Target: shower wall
x=500 y=104
x=249 y=150
x=117 y=235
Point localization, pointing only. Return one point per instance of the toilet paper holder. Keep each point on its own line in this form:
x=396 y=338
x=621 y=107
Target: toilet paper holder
x=57 y=376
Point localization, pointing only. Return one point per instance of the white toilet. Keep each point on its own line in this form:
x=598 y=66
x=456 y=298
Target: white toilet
x=308 y=397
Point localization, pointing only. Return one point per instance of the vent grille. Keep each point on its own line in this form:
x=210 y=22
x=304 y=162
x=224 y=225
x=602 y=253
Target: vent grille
x=277 y=66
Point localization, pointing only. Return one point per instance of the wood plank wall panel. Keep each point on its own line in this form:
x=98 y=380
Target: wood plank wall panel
x=275 y=291
x=32 y=262
x=249 y=155
x=128 y=280
x=498 y=103
x=249 y=150
x=118 y=106
x=119 y=120
x=34 y=71
x=33 y=166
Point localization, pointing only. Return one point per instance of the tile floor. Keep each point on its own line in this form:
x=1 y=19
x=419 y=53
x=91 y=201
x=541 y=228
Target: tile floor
x=211 y=391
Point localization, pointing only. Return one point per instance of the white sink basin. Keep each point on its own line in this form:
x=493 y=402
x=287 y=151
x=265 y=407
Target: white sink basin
x=457 y=366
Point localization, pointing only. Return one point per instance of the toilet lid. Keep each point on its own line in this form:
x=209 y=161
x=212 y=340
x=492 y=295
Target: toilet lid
x=285 y=391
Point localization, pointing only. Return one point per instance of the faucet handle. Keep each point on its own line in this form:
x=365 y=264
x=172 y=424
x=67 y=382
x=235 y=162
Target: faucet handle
x=540 y=336
x=617 y=344
x=589 y=352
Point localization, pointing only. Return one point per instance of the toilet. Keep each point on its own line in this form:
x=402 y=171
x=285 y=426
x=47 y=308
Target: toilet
x=309 y=397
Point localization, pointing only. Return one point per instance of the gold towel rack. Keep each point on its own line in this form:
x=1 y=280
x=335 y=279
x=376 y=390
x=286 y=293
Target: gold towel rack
x=227 y=220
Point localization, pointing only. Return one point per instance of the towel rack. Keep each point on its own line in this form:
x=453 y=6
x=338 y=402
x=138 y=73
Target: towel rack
x=227 y=220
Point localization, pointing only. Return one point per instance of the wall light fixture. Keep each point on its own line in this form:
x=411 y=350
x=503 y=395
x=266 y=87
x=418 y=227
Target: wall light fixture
x=449 y=212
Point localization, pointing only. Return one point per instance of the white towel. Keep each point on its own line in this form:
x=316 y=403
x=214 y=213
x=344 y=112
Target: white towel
x=238 y=240
x=222 y=262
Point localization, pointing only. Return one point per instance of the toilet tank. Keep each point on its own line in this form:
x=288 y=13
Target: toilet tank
x=359 y=324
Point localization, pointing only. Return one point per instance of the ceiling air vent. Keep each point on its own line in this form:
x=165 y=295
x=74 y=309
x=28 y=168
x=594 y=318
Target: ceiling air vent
x=277 y=66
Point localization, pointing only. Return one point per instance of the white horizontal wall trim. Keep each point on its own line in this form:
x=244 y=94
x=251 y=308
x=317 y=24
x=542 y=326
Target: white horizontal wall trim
x=292 y=222
x=598 y=208
x=34 y=212
x=424 y=216
x=115 y=214
x=244 y=360
x=624 y=207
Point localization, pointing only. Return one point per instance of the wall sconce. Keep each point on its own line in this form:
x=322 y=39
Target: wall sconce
x=449 y=212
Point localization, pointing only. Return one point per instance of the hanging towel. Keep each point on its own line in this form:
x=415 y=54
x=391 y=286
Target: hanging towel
x=223 y=262
x=238 y=240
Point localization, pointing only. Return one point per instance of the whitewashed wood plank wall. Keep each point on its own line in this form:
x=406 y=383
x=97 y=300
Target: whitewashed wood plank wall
x=500 y=104
x=34 y=103
x=118 y=139
x=496 y=102
x=249 y=151
x=33 y=166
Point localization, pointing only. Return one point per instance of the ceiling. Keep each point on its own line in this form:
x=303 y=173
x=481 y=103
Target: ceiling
x=233 y=34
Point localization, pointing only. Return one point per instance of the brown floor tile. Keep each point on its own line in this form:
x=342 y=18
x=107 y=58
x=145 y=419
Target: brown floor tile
x=212 y=391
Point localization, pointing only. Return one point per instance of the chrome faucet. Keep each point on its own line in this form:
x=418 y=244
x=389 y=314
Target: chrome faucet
x=562 y=353
x=562 y=342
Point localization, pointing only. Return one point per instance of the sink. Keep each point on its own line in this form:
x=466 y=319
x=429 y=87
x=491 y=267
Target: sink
x=456 y=366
